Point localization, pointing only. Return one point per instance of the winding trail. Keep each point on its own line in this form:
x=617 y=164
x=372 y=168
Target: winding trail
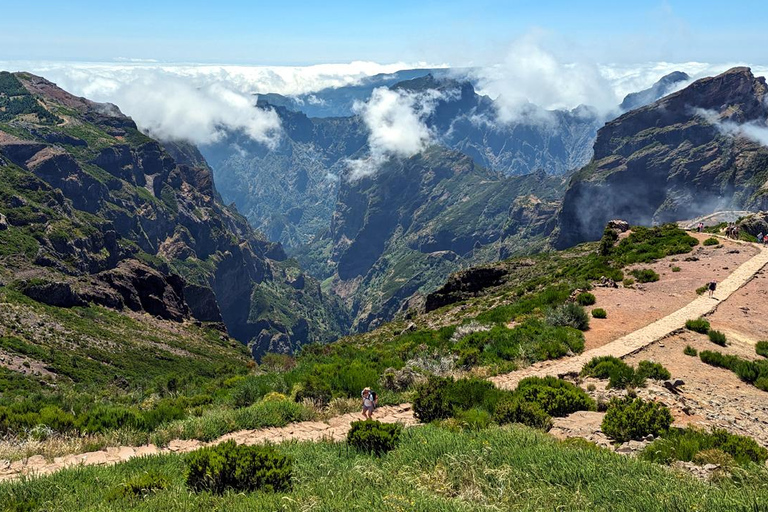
x=336 y=428
x=641 y=338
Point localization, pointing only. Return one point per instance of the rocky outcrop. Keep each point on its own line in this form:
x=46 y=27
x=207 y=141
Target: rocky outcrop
x=684 y=156
x=464 y=285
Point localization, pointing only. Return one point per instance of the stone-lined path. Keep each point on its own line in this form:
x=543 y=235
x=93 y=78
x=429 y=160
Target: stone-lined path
x=641 y=338
x=336 y=428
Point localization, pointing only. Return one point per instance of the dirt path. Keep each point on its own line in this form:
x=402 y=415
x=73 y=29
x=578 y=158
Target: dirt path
x=334 y=429
x=641 y=338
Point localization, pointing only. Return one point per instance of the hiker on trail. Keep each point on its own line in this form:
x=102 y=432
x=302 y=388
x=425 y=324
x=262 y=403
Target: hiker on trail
x=370 y=401
x=701 y=227
x=712 y=286
x=760 y=237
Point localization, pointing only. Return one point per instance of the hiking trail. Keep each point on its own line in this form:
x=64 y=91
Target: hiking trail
x=336 y=428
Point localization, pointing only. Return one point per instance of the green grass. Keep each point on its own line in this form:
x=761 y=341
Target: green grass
x=511 y=468
x=761 y=348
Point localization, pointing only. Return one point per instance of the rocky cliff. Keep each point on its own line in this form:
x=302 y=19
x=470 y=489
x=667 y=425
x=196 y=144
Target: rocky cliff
x=691 y=153
x=95 y=211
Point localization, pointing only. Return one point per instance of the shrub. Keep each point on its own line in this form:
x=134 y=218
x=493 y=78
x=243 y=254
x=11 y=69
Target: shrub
x=699 y=325
x=139 y=487
x=717 y=337
x=711 y=241
x=556 y=397
x=676 y=269
x=431 y=400
x=645 y=275
x=690 y=351
x=619 y=373
x=519 y=411
x=688 y=443
x=374 y=437
x=599 y=313
x=586 y=299
x=701 y=290
x=634 y=419
x=239 y=468
x=314 y=389
x=105 y=418
x=651 y=370
x=569 y=315
x=761 y=348
x=474 y=419
x=628 y=282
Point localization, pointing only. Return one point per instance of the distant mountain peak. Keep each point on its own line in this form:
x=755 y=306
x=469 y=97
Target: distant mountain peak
x=661 y=88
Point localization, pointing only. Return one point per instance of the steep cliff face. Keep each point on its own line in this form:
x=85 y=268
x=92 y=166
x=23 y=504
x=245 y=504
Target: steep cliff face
x=398 y=233
x=688 y=154
x=101 y=212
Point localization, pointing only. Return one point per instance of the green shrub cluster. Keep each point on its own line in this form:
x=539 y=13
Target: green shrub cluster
x=139 y=486
x=699 y=325
x=526 y=413
x=645 y=275
x=711 y=241
x=636 y=418
x=374 y=437
x=685 y=444
x=717 y=337
x=586 y=299
x=761 y=348
x=753 y=372
x=238 y=468
x=569 y=315
x=442 y=397
x=599 y=313
x=619 y=373
x=556 y=397
x=690 y=351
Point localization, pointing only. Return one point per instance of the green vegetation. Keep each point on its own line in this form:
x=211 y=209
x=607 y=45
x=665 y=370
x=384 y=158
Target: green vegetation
x=676 y=269
x=374 y=437
x=690 y=351
x=620 y=374
x=652 y=370
x=239 y=468
x=699 y=325
x=752 y=372
x=599 y=313
x=645 y=275
x=510 y=468
x=586 y=299
x=711 y=241
x=636 y=418
x=701 y=290
x=717 y=337
x=569 y=315
x=628 y=282
x=761 y=348
x=686 y=444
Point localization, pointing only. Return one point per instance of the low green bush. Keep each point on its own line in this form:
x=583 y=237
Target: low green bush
x=685 y=444
x=711 y=241
x=652 y=370
x=753 y=372
x=139 y=486
x=628 y=282
x=761 y=348
x=431 y=401
x=374 y=437
x=629 y=418
x=619 y=373
x=701 y=290
x=599 y=313
x=569 y=315
x=239 y=468
x=690 y=351
x=699 y=325
x=676 y=269
x=586 y=299
x=717 y=337
x=439 y=398
x=556 y=397
x=474 y=419
x=527 y=413
x=645 y=275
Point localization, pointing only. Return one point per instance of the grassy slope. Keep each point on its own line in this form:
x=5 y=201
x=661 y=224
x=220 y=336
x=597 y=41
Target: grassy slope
x=512 y=468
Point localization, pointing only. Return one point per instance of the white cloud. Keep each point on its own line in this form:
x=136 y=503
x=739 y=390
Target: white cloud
x=753 y=130
x=397 y=128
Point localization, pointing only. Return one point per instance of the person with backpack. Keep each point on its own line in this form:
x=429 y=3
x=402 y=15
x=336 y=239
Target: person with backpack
x=712 y=286
x=370 y=401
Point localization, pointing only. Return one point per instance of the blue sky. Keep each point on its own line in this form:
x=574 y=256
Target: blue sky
x=303 y=32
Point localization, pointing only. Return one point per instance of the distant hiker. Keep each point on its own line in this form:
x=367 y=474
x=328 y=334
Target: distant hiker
x=712 y=286
x=370 y=401
x=701 y=227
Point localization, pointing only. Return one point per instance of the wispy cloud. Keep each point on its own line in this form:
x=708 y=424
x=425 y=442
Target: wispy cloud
x=397 y=128
x=756 y=131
